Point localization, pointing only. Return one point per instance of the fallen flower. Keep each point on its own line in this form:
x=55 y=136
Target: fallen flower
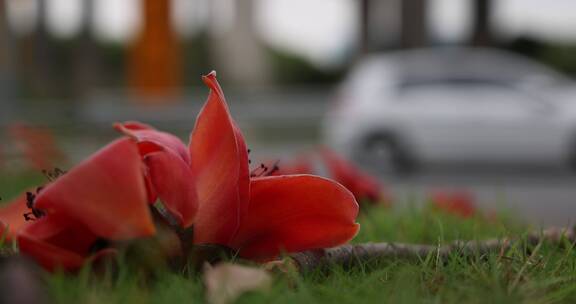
x=258 y=216
x=207 y=185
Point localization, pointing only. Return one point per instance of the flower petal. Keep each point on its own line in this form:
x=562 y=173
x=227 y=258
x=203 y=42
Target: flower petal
x=151 y=140
x=12 y=217
x=175 y=184
x=295 y=213
x=219 y=160
x=55 y=244
x=106 y=193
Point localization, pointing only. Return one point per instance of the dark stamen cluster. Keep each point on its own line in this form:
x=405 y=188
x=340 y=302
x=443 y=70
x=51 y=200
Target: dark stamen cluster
x=34 y=213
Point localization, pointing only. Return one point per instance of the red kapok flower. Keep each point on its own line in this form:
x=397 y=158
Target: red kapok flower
x=207 y=185
x=103 y=197
x=259 y=216
x=459 y=203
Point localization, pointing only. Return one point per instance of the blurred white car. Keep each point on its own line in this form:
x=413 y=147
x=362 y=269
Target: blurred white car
x=453 y=106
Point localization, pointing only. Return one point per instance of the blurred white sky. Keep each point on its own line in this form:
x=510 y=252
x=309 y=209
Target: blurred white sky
x=320 y=29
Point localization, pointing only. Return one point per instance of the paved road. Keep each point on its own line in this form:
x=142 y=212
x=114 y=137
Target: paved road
x=544 y=197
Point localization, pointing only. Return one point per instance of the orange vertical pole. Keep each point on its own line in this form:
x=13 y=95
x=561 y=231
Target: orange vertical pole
x=154 y=71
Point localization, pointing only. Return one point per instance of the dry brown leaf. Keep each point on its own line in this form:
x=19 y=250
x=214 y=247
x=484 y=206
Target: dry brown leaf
x=225 y=282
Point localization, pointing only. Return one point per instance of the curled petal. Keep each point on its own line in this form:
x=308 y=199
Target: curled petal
x=54 y=244
x=295 y=213
x=175 y=184
x=12 y=217
x=151 y=140
x=219 y=160
x=106 y=193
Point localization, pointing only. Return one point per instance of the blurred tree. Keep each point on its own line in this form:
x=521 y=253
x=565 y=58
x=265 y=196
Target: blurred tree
x=482 y=23
x=527 y=46
x=154 y=67
x=198 y=58
x=6 y=68
x=36 y=57
x=87 y=56
x=365 y=46
x=384 y=24
x=559 y=56
x=290 y=68
x=414 y=23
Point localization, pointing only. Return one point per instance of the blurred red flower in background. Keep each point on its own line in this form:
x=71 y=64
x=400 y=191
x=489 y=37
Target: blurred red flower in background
x=37 y=145
x=365 y=187
x=457 y=202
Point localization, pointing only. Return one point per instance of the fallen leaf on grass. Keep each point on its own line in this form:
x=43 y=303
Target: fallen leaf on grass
x=226 y=282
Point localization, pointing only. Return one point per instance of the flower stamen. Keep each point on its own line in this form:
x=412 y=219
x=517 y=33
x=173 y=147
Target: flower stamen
x=35 y=213
x=264 y=170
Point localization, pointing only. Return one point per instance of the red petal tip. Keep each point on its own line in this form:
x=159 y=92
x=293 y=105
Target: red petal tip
x=211 y=75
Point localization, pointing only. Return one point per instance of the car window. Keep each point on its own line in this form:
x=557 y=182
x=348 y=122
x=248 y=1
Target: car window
x=455 y=82
x=465 y=91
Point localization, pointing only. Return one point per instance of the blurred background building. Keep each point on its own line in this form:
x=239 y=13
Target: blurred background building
x=70 y=49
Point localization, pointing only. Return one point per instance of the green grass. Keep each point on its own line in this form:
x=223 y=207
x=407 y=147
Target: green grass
x=545 y=274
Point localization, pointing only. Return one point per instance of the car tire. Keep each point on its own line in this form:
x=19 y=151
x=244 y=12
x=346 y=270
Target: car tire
x=385 y=150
